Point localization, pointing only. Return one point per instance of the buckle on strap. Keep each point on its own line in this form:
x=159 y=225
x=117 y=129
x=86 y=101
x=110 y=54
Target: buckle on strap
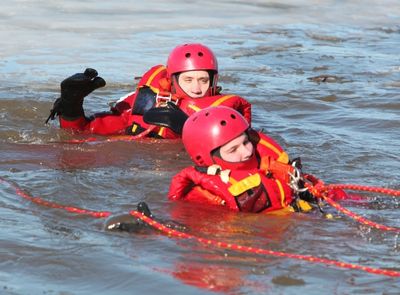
x=163 y=98
x=295 y=179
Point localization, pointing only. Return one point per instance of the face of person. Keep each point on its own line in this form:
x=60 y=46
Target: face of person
x=237 y=150
x=194 y=83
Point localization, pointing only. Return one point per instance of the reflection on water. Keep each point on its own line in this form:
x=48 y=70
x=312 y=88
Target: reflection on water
x=323 y=79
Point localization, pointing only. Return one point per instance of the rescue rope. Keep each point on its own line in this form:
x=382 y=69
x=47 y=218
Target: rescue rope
x=320 y=190
x=374 y=189
x=40 y=201
x=209 y=242
x=357 y=217
x=236 y=247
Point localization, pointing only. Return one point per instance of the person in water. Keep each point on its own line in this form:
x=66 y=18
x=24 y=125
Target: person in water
x=189 y=82
x=237 y=167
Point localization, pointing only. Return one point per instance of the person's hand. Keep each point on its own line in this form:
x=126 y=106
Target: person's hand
x=125 y=222
x=73 y=90
x=190 y=177
x=131 y=224
x=76 y=87
x=170 y=116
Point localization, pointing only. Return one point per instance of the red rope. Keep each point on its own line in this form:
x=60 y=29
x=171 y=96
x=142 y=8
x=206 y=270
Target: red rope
x=358 y=217
x=319 y=189
x=178 y=234
x=374 y=189
x=236 y=247
x=40 y=201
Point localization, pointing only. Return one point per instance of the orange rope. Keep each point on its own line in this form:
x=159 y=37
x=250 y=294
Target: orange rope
x=178 y=234
x=374 y=189
x=215 y=243
x=40 y=201
x=320 y=190
x=357 y=217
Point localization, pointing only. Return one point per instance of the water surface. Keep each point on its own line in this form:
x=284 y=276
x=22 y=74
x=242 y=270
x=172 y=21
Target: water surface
x=324 y=80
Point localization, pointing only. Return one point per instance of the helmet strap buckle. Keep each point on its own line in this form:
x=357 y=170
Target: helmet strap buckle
x=163 y=98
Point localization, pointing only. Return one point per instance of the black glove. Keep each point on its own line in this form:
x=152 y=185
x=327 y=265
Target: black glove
x=143 y=208
x=73 y=90
x=124 y=222
x=170 y=116
x=296 y=162
x=129 y=223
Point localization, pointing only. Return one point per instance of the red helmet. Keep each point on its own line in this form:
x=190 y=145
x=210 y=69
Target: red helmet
x=209 y=129
x=191 y=57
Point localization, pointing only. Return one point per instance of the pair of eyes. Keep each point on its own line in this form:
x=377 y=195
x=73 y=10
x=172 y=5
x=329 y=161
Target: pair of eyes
x=236 y=147
x=201 y=80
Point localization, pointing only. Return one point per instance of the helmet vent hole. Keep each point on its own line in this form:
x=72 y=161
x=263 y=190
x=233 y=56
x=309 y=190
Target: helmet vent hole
x=187 y=55
x=223 y=122
x=200 y=53
x=233 y=116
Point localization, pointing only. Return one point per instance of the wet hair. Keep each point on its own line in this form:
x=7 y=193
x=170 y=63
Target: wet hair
x=216 y=152
x=211 y=75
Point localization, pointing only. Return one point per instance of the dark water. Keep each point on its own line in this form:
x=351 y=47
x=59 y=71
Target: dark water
x=324 y=80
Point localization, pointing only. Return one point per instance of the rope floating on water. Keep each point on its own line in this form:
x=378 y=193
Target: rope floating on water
x=357 y=187
x=359 y=218
x=235 y=247
x=40 y=201
x=319 y=189
x=208 y=242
